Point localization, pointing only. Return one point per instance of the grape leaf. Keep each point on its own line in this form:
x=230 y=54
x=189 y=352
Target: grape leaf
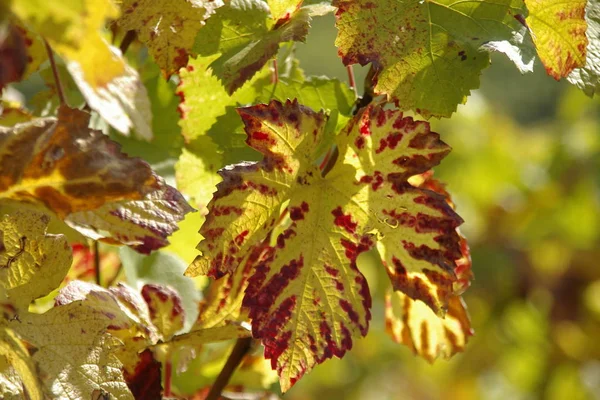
x=558 y=31
x=216 y=131
x=122 y=102
x=167 y=28
x=33 y=263
x=413 y=324
x=319 y=293
x=200 y=90
x=283 y=8
x=427 y=53
x=128 y=314
x=13 y=113
x=246 y=38
x=202 y=336
x=162 y=268
x=84 y=178
x=72 y=28
x=223 y=302
x=143 y=225
x=11 y=385
x=166 y=310
x=145 y=381
x=587 y=78
x=197 y=176
x=18 y=356
x=13 y=51
x=68 y=340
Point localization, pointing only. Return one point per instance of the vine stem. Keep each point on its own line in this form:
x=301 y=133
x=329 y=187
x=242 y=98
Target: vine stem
x=97 y=262
x=168 y=372
x=351 y=79
x=59 y=88
x=127 y=40
x=242 y=346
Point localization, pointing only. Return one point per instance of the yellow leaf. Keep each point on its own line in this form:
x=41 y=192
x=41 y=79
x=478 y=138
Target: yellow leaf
x=18 y=356
x=308 y=266
x=72 y=28
x=168 y=28
x=33 y=263
x=69 y=340
x=558 y=31
x=412 y=323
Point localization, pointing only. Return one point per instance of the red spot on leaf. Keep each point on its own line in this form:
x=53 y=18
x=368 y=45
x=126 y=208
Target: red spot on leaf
x=344 y=220
x=346 y=306
x=297 y=213
x=239 y=239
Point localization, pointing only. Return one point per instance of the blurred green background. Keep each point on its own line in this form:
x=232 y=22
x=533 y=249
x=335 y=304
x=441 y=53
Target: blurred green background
x=525 y=174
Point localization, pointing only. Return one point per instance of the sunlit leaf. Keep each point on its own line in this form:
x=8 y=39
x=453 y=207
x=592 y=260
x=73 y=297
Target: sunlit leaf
x=427 y=53
x=82 y=176
x=310 y=268
x=413 y=324
x=13 y=113
x=558 y=31
x=165 y=307
x=33 y=262
x=72 y=28
x=246 y=38
x=68 y=340
x=167 y=28
x=18 y=355
x=122 y=102
x=587 y=78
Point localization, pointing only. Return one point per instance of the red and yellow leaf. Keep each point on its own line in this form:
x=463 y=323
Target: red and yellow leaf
x=558 y=31
x=166 y=310
x=169 y=29
x=428 y=54
x=306 y=283
x=413 y=324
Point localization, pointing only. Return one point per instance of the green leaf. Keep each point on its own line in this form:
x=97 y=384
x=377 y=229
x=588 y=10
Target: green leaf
x=587 y=78
x=196 y=176
x=427 y=53
x=310 y=267
x=167 y=28
x=246 y=38
x=283 y=8
x=203 y=98
x=558 y=30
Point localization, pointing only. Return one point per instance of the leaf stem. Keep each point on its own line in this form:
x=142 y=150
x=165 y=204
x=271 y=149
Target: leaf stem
x=351 y=79
x=97 y=262
x=275 y=75
x=127 y=40
x=59 y=89
x=242 y=346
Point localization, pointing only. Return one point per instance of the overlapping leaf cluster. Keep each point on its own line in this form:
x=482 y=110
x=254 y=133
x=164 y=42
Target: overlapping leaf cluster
x=310 y=176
